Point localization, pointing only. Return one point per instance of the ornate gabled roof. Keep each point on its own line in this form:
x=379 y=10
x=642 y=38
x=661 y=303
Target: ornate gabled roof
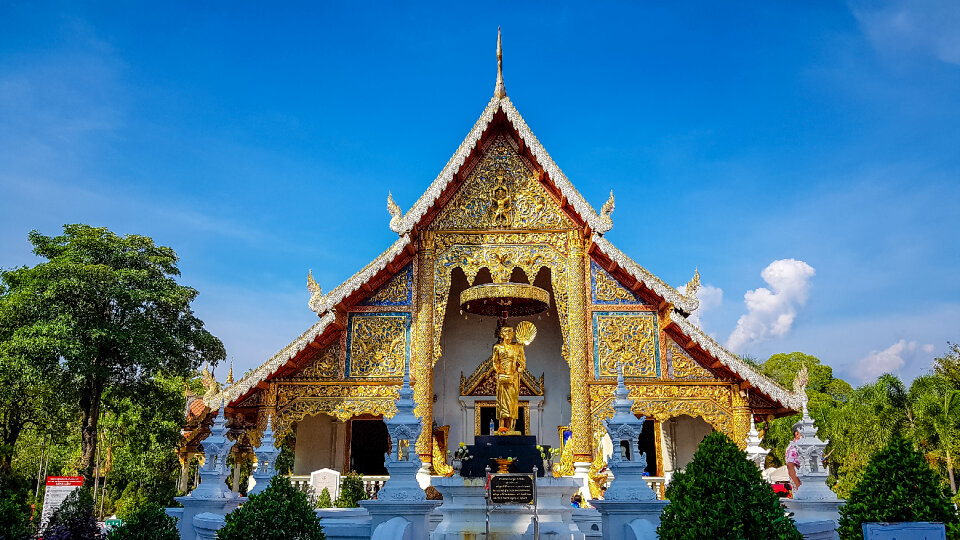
x=598 y=222
x=732 y=362
x=644 y=276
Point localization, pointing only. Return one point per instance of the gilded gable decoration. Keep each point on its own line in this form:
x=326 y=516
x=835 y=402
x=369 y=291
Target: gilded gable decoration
x=628 y=337
x=502 y=193
x=324 y=365
x=482 y=382
x=682 y=366
x=397 y=291
x=378 y=344
x=607 y=290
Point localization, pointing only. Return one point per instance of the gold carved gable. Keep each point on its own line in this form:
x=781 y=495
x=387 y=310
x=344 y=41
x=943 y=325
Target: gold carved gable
x=502 y=193
x=682 y=366
x=483 y=382
x=628 y=337
x=325 y=365
x=378 y=345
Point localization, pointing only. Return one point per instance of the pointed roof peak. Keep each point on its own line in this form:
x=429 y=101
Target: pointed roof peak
x=499 y=91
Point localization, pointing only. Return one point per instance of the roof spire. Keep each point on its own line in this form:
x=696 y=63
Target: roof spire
x=499 y=92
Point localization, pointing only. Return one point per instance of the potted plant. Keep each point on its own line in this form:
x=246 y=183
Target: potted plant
x=461 y=454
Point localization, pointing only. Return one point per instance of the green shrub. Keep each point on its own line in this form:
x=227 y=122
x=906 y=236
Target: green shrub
x=351 y=491
x=722 y=495
x=280 y=512
x=131 y=500
x=897 y=486
x=14 y=520
x=149 y=522
x=74 y=520
x=324 y=500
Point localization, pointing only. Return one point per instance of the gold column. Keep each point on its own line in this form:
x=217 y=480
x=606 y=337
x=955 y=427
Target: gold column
x=422 y=351
x=740 y=426
x=579 y=359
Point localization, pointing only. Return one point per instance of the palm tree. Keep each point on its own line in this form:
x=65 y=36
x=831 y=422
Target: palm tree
x=938 y=420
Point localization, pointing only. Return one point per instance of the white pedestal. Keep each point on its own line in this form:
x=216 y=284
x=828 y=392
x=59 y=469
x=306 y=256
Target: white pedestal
x=193 y=506
x=417 y=513
x=464 y=511
x=816 y=519
x=635 y=520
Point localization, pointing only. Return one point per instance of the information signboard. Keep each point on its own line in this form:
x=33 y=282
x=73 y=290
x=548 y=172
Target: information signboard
x=58 y=487
x=512 y=489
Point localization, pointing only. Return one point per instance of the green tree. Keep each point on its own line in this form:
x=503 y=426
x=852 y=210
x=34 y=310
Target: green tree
x=897 y=486
x=280 y=512
x=948 y=365
x=30 y=372
x=938 y=421
x=149 y=522
x=722 y=495
x=351 y=491
x=111 y=309
x=74 y=519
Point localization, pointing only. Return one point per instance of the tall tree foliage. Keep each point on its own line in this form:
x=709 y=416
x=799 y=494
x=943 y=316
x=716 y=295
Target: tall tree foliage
x=110 y=309
x=937 y=431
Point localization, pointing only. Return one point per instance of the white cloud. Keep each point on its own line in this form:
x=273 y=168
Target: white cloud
x=928 y=26
x=770 y=313
x=891 y=359
x=710 y=298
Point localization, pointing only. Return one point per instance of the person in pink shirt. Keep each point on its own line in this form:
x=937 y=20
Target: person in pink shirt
x=792 y=457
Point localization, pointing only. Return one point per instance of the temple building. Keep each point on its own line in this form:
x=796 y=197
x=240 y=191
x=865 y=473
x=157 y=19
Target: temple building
x=502 y=213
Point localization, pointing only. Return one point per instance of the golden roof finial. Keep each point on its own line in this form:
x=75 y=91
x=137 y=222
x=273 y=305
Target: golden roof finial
x=230 y=373
x=500 y=91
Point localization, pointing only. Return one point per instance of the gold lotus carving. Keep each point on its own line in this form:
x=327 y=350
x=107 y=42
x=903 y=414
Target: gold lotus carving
x=684 y=366
x=378 y=345
x=608 y=290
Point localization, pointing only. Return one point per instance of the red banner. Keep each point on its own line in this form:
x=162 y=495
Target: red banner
x=64 y=481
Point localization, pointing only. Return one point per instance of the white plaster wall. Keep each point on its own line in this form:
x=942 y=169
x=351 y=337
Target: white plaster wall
x=321 y=443
x=681 y=437
x=468 y=342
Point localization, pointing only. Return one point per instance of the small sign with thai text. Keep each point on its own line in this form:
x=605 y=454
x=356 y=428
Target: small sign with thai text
x=58 y=487
x=511 y=489
x=913 y=530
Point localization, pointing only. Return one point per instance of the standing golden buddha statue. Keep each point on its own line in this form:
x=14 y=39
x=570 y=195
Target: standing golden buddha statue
x=509 y=362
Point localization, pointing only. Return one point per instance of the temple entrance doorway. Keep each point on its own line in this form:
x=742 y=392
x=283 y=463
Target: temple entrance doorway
x=369 y=441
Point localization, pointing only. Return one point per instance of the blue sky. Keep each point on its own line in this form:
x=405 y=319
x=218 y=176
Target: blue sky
x=804 y=158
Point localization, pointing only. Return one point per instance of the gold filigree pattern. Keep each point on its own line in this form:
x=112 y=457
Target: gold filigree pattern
x=577 y=325
x=324 y=365
x=482 y=382
x=378 y=345
x=472 y=252
x=711 y=402
x=628 y=338
x=395 y=292
x=607 y=290
x=501 y=193
x=440 y=466
x=683 y=366
x=343 y=401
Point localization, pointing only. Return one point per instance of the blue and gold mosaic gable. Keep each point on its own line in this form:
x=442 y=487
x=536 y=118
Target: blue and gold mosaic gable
x=378 y=345
x=607 y=291
x=630 y=337
x=397 y=291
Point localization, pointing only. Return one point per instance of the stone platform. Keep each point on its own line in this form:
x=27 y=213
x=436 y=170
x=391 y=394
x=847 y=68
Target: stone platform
x=464 y=511
x=487 y=447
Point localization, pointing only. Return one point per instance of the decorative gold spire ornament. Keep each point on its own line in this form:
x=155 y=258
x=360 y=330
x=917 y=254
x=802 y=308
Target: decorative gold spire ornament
x=230 y=373
x=312 y=285
x=693 y=285
x=500 y=91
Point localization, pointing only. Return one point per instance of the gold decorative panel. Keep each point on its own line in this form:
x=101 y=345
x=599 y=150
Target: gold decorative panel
x=397 y=291
x=683 y=366
x=343 y=401
x=325 y=365
x=628 y=337
x=377 y=344
x=607 y=290
x=502 y=193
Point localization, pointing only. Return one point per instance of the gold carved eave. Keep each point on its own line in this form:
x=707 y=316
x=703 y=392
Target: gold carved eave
x=342 y=400
x=482 y=382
